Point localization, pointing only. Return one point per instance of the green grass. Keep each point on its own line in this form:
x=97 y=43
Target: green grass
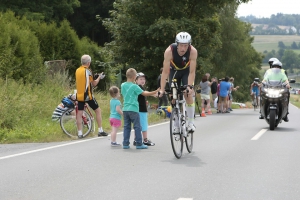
x=26 y=110
x=270 y=42
x=295 y=100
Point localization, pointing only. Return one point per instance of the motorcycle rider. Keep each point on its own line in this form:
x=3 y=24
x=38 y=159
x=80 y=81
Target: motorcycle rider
x=276 y=73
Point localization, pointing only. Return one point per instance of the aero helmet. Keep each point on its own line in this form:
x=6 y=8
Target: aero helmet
x=183 y=37
x=271 y=60
x=277 y=63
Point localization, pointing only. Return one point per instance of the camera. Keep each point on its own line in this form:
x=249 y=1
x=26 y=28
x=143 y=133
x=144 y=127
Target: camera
x=96 y=76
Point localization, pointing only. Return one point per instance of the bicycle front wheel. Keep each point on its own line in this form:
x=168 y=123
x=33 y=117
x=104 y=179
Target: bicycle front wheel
x=176 y=137
x=68 y=123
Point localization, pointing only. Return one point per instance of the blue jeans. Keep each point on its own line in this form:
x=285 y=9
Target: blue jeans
x=132 y=117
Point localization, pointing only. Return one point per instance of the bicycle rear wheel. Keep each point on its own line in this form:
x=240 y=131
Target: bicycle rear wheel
x=189 y=139
x=176 y=138
x=68 y=123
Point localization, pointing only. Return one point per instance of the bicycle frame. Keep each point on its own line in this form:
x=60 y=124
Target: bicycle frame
x=179 y=118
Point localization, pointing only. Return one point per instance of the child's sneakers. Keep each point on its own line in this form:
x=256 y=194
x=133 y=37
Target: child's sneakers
x=115 y=144
x=145 y=142
x=148 y=143
x=142 y=147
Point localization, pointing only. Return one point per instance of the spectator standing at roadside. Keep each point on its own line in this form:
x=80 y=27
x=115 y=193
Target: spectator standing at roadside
x=115 y=114
x=232 y=88
x=218 y=99
x=214 y=87
x=143 y=111
x=205 y=95
x=224 y=91
x=130 y=92
x=84 y=84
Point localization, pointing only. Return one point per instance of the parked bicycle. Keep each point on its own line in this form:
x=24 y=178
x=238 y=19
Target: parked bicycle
x=178 y=120
x=68 y=121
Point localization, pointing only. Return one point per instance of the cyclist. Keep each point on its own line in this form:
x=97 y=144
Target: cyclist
x=254 y=89
x=180 y=63
x=84 y=85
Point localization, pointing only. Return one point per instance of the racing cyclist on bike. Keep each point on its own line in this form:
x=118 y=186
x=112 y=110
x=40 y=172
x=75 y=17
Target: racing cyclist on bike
x=254 y=90
x=180 y=64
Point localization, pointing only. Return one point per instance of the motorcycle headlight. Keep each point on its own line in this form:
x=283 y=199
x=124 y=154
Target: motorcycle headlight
x=274 y=93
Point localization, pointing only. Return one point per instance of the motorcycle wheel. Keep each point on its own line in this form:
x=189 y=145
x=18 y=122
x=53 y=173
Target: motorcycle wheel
x=272 y=119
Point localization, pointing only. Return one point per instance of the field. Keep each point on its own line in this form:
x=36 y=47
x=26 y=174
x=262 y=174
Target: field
x=270 y=42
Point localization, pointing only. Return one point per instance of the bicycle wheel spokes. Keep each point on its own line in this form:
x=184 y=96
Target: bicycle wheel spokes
x=176 y=138
x=68 y=123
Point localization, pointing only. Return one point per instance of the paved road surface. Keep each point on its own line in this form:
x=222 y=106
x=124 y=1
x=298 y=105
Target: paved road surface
x=235 y=156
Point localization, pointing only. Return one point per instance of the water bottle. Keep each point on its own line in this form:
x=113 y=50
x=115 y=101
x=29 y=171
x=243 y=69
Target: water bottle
x=174 y=91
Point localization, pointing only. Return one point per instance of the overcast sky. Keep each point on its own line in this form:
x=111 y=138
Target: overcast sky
x=265 y=8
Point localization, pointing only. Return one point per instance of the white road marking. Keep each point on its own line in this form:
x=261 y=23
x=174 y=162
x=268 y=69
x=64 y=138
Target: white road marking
x=185 y=199
x=62 y=145
x=259 y=134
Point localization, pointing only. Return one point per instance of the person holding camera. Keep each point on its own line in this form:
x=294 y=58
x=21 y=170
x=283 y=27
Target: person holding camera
x=85 y=81
x=254 y=90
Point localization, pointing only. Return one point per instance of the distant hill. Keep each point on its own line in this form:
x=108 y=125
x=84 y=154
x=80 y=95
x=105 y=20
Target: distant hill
x=279 y=24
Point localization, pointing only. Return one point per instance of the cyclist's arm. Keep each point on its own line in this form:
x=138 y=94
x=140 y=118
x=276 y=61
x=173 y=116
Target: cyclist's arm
x=146 y=93
x=251 y=87
x=193 y=63
x=166 y=68
x=119 y=110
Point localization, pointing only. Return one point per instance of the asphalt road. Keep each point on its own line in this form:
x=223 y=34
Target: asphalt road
x=235 y=156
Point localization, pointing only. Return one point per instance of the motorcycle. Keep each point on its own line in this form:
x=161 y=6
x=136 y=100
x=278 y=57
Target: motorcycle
x=274 y=102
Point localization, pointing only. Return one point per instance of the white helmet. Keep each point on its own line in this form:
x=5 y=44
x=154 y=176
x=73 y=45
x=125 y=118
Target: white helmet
x=271 y=60
x=183 y=37
x=277 y=63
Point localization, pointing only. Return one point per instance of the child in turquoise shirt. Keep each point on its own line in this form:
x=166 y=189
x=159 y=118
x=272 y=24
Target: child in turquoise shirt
x=130 y=92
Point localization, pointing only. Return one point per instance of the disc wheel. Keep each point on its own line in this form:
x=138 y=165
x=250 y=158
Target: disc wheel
x=68 y=123
x=176 y=138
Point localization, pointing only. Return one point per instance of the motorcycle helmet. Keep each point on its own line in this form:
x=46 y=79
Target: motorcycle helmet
x=67 y=102
x=183 y=37
x=271 y=60
x=277 y=64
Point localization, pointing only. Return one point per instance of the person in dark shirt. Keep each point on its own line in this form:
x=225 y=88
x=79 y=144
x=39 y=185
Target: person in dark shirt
x=163 y=100
x=214 y=87
x=143 y=112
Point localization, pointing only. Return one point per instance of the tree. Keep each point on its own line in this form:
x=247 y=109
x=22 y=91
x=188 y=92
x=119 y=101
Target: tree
x=20 y=58
x=281 y=45
x=142 y=30
x=236 y=57
x=294 y=45
x=48 y=10
x=290 y=59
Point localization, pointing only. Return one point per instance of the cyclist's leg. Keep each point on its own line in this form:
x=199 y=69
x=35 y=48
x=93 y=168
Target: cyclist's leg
x=190 y=104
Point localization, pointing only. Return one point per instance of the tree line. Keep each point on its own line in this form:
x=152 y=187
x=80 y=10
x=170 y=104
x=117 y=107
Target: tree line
x=286 y=54
x=136 y=35
x=273 y=22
